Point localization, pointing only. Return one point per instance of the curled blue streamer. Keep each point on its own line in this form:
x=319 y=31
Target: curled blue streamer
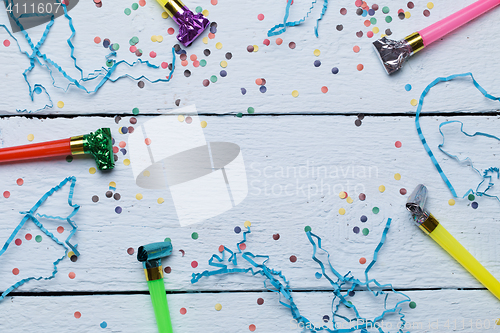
x=36 y=55
x=281 y=28
x=486 y=174
x=281 y=285
x=33 y=216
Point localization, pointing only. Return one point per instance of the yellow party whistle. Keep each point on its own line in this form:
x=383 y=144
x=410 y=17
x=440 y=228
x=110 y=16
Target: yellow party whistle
x=438 y=233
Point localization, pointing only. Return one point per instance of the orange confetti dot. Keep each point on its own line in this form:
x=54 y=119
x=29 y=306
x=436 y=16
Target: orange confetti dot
x=142 y=3
x=71 y=275
x=184 y=63
x=258 y=82
x=279 y=41
x=147 y=141
x=221 y=248
x=324 y=89
x=243 y=246
x=367 y=23
x=362 y=260
x=360 y=67
x=355 y=49
x=252 y=327
x=77 y=315
x=214 y=2
x=122 y=144
x=97 y=40
x=15 y=271
x=211 y=35
x=193 y=57
x=196 y=63
x=60 y=229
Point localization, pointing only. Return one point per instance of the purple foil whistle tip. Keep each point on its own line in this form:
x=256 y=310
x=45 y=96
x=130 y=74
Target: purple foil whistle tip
x=190 y=25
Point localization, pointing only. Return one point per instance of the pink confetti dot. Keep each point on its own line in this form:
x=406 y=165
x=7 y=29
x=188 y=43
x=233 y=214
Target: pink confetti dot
x=6 y=43
x=196 y=63
x=60 y=229
x=260 y=17
x=324 y=89
x=15 y=271
x=170 y=31
x=6 y=194
x=18 y=241
x=20 y=181
x=147 y=141
x=194 y=264
x=133 y=48
x=213 y=2
x=266 y=42
x=164 y=65
x=358 y=3
x=369 y=34
x=71 y=275
x=77 y=315
x=398 y=144
x=28 y=237
x=183 y=311
x=152 y=54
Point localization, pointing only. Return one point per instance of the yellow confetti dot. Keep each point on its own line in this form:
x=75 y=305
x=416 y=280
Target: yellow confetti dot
x=126 y=161
x=92 y=171
x=414 y=102
x=381 y=188
x=341 y=211
x=451 y=202
x=218 y=307
x=120 y=130
x=164 y=15
x=383 y=35
x=180 y=118
x=153 y=38
x=407 y=15
x=160 y=200
x=342 y=195
x=112 y=184
x=247 y=224
x=139 y=196
x=159 y=38
x=203 y=124
x=397 y=176
x=317 y=52
x=430 y=5
x=205 y=40
x=295 y=93
x=70 y=254
x=60 y=104
x=146 y=173
x=205 y=13
x=255 y=48
x=31 y=137
x=218 y=46
x=349 y=200
x=223 y=64
x=375 y=30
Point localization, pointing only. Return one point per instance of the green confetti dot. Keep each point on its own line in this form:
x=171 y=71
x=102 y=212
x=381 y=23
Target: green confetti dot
x=375 y=210
x=127 y=11
x=366 y=231
x=135 y=6
x=116 y=46
x=388 y=19
x=213 y=78
x=413 y=305
x=307 y=228
x=38 y=238
x=69 y=158
x=349 y=304
x=471 y=197
x=239 y=115
x=194 y=235
x=109 y=63
x=134 y=40
x=167 y=239
x=203 y=62
x=135 y=111
x=385 y=10
x=250 y=110
x=199 y=9
x=373 y=20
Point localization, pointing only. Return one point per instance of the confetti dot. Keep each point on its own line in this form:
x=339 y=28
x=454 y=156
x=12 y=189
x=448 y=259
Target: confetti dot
x=160 y=200
x=427 y=13
x=205 y=12
x=381 y=188
x=15 y=271
x=243 y=246
x=295 y=93
x=343 y=11
x=349 y=200
x=355 y=230
x=247 y=224
x=117 y=196
x=77 y=315
x=375 y=30
x=397 y=176
x=237 y=230
x=398 y=144
x=412 y=305
x=260 y=301
x=213 y=2
x=375 y=210
x=341 y=211
x=221 y=248
x=358 y=122
x=385 y=10
x=138 y=196
x=266 y=42
x=407 y=15
x=194 y=264
x=369 y=34
x=324 y=89
x=363 y=218
x=388 y=19
x=260 y=17
x=408 y=87
x=223 y=64
x=203 y=124
x=474 y=205
x=147 y=141
x=71 y=275
x=317 y=63
x=92 y=170
x=471 y=197
x=18 y=241
x=279 y=41
x=307 y=228
x=360 y=67
x=366 y=231
x=356 y=49
x=218 y=46
x=183 y=311
x=28 y=237
x=343 y=195
x=130 y=250
x=276 y=236
x=292 y=45
x=164 y=15
x=60 y=229
x=127 y=11
x=38 y=238
x=293 y=258
x=414 y=102
x=118 y=210
x=104 y=324
x=317 y=52
x=318 y=275
x=194 y=235
x=218 y=307
x=339 y=27
x=335 y=70
x=402 y=191
x=168 y=269
x=252 y=328
x=362 y=261
x=60 y=104
x=6 y=194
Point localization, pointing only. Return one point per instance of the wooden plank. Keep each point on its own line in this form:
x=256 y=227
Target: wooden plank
x=283 y=68
x=288 y=190
x=443 y=310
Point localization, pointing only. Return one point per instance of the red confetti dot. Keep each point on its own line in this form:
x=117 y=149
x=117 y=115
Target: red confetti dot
x=243 y=246
x=20 y=181
x=122 y=144
x=276 y=236
x=214 y=2
x=60 y=230
x=193 y=57
x=266 y=42
x=343 y=11
x=168 y=269
x=142 y=3
x=362 y=261
x=164 y=65
x=401 y=11
x=252 y=327
x=28 y=237
x=260 y=17
x=260 y=301
x=398 y=144
x=367 y=23
x=15 y=271
x=6 y=194
x=71 y=275
x=194 y=264
x=183 y=311
x=77 y=315
x=18 y=241
x=402 y=191
x=324 y=89
x=358 y=3
x=6 y=43
x=369 y=34
x=170 y=31
x=293 y=258
x=356 y=49
x=133 y=48
x=115 y=149
x=360 y=67
x=147 y=141
x=196 y=63
x=152 y=54
x=97 y=40
x=221 y=248
x=130 y=250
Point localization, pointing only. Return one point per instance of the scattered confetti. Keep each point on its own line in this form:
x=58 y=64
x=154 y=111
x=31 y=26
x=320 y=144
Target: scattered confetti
x=381 y=188
x=295 y=93
x=218 y=307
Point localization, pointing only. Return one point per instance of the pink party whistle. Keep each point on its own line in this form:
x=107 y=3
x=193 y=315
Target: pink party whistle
x=393 y=53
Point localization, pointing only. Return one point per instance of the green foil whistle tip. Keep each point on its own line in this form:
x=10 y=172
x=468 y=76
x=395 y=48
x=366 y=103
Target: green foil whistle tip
x=100 y=145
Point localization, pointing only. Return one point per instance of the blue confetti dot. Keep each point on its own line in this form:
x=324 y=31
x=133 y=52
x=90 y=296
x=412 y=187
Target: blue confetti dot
x=364 y=13
x=223 y=73
x=110 y=47
x=363 y=218
x=408 y=87
x=371 y=12
x=183 y=52
x=318 y=275
x=352 y=293
x=104 y=324
x=237 y=230
x=326 y=318
x=118 y=210
x=317 y=63
x=355 y=230
x=124 y=130
x=105 y=43
x=38 y=90
x=335 y=70
x=124 y=151
x=263 y=89
x=213 y=29
x=243 y=91
x=474 y=205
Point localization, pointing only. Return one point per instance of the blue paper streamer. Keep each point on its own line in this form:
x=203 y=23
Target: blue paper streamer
x=281 y=285
x=486 y=174
x=281 y=28
x=36 y=55
x=33 y=216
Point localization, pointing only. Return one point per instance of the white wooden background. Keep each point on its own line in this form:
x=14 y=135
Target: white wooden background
x=309 y=132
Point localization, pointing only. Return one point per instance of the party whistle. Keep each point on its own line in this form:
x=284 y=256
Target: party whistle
x=428 y=223
x=393 y=53
x=191 y=25
x=98 y=144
